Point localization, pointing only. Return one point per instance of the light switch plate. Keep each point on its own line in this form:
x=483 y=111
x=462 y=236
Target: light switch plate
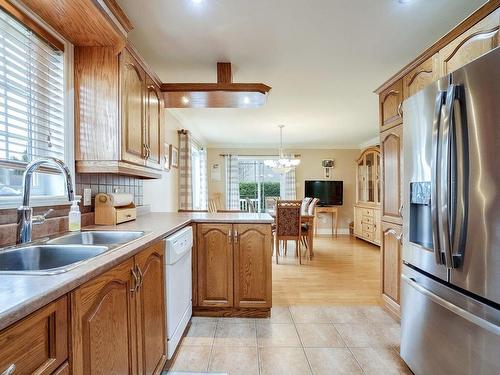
x=87 y=197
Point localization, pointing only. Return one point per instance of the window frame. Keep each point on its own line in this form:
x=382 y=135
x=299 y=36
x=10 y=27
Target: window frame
x=8 y=202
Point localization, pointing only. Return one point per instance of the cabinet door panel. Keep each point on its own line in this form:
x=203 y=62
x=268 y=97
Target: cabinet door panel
x=132 y=96
x=420 y=77
x=151 y=310
x=39 y=343
x=390 y=106
x=358 y=218
x=215 y=265
x=391 y=260
x=154 y=119
x=479 y=39
x=103 y=324
x=391 y=142
x=252 y=265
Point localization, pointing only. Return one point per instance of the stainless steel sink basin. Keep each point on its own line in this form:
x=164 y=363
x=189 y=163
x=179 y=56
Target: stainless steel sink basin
x=46 y=259
x=97 y=237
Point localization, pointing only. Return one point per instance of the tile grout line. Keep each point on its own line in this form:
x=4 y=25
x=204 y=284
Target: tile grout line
x=213 y=344
x=350 y=351
x=301 y=343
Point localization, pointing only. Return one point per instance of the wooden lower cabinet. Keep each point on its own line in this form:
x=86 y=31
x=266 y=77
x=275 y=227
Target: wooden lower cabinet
x=252 y=265
x=37 y=344
x=391 y=143
x=119 y=316
x=233 y=269
x=367 y=223
x=391 y=264
x=63 y=370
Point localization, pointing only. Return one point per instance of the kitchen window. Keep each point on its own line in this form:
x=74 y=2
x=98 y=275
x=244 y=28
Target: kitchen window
x=199 y=176
x=34 y=118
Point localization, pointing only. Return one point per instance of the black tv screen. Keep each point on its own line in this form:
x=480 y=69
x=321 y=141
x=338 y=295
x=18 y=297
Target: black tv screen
x=329 y=193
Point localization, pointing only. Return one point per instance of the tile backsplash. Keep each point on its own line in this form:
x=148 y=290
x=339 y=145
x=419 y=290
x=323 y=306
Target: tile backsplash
x=110 y=183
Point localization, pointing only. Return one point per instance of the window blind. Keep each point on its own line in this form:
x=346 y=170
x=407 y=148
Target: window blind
x=31 y=95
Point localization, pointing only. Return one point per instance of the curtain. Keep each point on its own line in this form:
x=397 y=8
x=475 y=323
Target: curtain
x=289 y=186
x=203 y=180
x=232 y=182
x=185 y=171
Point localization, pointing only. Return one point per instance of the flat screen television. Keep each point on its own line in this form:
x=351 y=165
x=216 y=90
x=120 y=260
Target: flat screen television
x=329 y=193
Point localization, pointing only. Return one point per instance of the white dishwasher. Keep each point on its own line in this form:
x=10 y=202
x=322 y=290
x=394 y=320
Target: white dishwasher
x=178 y=252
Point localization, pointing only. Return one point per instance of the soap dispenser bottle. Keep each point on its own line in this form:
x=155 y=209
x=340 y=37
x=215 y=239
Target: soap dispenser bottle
x=75 y=217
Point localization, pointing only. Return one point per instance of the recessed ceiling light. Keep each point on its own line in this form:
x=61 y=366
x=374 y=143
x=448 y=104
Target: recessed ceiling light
x=197 y=1
x=404 y=1
x=246 y=100
x=185 y=100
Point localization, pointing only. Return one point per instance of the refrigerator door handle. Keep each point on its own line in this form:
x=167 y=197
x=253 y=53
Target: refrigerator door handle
x=435 y=175
x=444 y=178
x=493 y=328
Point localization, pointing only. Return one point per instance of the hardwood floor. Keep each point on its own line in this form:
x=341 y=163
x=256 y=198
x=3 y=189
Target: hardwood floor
x=344 y=271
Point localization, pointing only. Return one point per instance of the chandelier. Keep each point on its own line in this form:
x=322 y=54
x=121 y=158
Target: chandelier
x=284 y=163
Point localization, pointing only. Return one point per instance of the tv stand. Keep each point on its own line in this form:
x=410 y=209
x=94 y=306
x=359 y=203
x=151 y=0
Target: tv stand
x=332 y=210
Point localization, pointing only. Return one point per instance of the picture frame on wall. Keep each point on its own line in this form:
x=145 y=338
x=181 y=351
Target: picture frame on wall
x=174 y=156
x=167 y=159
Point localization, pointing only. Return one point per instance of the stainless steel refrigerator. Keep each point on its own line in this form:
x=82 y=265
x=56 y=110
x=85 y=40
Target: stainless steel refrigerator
x=450 y=304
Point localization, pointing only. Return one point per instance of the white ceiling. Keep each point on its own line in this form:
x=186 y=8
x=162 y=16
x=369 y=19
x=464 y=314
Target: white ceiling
x=323 y=59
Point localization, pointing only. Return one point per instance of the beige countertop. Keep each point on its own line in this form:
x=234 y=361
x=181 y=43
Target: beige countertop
x=20 y=295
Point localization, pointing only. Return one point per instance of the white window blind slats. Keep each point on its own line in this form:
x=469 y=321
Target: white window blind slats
x=31 y=95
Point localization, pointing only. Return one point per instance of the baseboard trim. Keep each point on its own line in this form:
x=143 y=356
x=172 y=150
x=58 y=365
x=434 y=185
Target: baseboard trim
x=329 y=231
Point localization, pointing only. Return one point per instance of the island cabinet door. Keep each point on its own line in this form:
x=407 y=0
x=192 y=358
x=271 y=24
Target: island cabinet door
x=103 y=324
x=215 y=265
x=151 y=310
x=252 y=265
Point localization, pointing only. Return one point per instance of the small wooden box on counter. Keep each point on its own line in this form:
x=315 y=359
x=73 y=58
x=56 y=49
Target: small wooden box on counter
x=108 y=213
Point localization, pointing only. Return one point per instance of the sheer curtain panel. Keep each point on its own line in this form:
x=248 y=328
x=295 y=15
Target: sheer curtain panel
x=232 y=182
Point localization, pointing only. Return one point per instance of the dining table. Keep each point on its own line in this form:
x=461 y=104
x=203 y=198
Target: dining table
x=308 y=222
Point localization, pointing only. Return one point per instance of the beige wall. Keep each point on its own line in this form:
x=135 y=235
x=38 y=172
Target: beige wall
x=309 y=169
x=162 y=194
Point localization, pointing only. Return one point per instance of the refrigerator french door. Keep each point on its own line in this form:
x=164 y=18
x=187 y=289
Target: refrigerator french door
x=450 y=307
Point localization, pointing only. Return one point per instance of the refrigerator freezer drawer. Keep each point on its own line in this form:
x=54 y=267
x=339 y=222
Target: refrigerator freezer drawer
x=439 y=337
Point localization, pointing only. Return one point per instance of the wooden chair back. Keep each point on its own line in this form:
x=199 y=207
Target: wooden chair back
x=288 y=219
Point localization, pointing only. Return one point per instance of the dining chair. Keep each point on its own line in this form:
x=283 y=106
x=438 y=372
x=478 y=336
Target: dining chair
x=250 y=205
x=305 y=204
x=270 y=203
x=288 y=225
x=305 y=228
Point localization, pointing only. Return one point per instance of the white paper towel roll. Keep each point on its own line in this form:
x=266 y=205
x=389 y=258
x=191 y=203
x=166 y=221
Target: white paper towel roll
x=121 y=199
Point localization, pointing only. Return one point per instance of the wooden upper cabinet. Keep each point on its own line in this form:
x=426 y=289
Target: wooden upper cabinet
x=420 y=77
x=391 y=146
x=154 y=124
x=476 y=41
x=390 y=101
x=151 y=310
x=132 y=111
x=103 y=324
x=391 y=260
x=215 y=265
x=252 y=265
x=37 y=344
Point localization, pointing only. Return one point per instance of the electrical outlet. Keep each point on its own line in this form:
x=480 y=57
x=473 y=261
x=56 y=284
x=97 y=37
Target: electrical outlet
x=87 y=197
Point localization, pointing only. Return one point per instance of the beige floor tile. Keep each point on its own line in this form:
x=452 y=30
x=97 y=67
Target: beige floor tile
x=200 y=334
x=283 y=361
x=234 y=360
x=377 y=314
x=237 y=320
x=360 y=335
x=272 y=335
x=203 y=319
x=319 y=336
x=345 y=314
x=380 y=361
x=279 y=314
x=191 y=358
x=309 y=314
x=236 y=335
x=327 y=361
x=389 y=334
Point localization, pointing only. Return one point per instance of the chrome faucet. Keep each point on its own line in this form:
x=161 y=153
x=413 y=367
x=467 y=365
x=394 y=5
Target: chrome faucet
x=25 y=218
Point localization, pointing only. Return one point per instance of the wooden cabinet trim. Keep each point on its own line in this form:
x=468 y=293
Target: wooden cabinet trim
x=391 y=262
x=471 y=36
x=393 y=190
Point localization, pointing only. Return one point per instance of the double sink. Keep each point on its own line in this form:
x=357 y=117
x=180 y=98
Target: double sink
x=62 y=253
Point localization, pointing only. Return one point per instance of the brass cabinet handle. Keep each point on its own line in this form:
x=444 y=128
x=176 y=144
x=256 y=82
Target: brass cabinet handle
x=400 y=109
x=230 y=236
x=235 y=236
x=136 y=280
x=141 y=276
x=9 y=370
x=400 y=211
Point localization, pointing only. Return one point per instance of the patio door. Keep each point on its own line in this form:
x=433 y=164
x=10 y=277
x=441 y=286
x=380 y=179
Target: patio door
x=258 y=184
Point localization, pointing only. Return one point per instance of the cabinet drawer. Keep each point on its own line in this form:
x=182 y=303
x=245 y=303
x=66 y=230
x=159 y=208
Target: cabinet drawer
x=37 y=344
x=368 y=219
x=125 y=214
x=368 y=235
x=367 y=212
x=368 y=228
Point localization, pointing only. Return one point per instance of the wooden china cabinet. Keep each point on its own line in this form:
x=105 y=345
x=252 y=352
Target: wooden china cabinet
x=368 y=196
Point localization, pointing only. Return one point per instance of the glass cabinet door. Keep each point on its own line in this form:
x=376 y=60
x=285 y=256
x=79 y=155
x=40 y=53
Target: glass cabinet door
x=370 y=183
x=361 y=180
x=377 y=178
